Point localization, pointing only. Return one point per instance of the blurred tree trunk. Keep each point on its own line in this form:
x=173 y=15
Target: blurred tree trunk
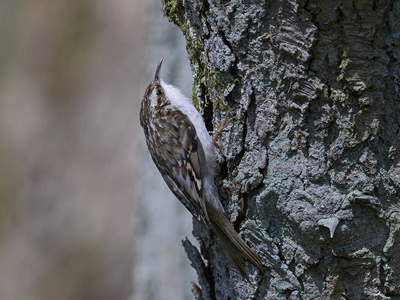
x=309 y=172
x=68 y=144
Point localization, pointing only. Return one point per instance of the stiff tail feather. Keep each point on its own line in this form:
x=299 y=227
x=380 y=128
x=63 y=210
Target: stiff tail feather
x=232 y=241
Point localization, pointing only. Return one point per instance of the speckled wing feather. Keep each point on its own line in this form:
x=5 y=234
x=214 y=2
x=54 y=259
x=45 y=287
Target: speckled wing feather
x=179 y=155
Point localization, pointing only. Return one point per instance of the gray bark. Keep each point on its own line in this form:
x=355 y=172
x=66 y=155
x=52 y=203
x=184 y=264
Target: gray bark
x=309 y=172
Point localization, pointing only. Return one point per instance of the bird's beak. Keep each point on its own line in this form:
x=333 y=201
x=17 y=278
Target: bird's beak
x=157 y=76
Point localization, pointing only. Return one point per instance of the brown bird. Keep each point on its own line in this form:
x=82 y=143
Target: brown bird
x=184 y=154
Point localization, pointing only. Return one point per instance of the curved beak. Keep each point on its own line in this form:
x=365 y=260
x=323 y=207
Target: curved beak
x=157 y=76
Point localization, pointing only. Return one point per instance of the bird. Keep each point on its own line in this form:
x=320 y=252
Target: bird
x=185 y=155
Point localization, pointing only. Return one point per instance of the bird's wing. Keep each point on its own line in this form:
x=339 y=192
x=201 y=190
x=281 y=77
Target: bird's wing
x=179 y=156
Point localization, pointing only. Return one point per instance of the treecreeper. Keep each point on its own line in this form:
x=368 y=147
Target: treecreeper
x=183 y=152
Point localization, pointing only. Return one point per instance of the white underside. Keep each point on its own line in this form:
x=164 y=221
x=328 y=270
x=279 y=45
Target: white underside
x=179 y=100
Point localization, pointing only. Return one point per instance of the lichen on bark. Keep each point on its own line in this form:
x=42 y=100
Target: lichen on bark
x=309 y=168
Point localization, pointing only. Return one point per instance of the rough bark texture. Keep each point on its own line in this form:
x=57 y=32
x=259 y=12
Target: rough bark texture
x=310 y=172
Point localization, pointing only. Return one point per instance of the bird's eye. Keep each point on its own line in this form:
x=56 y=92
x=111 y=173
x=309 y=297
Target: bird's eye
x=159 y=92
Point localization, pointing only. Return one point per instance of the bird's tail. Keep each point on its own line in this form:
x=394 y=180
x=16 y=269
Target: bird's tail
x=232 y=241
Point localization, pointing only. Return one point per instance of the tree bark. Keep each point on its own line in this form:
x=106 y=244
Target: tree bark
x=309 y=166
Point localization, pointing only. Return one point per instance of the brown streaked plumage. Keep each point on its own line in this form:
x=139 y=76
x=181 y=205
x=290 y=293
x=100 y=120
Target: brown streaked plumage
x=184 y=154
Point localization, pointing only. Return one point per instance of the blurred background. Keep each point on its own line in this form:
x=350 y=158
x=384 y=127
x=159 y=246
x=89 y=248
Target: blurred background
x=84 y=213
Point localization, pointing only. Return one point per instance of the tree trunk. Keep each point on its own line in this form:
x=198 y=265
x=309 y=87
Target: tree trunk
x=309 y=166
